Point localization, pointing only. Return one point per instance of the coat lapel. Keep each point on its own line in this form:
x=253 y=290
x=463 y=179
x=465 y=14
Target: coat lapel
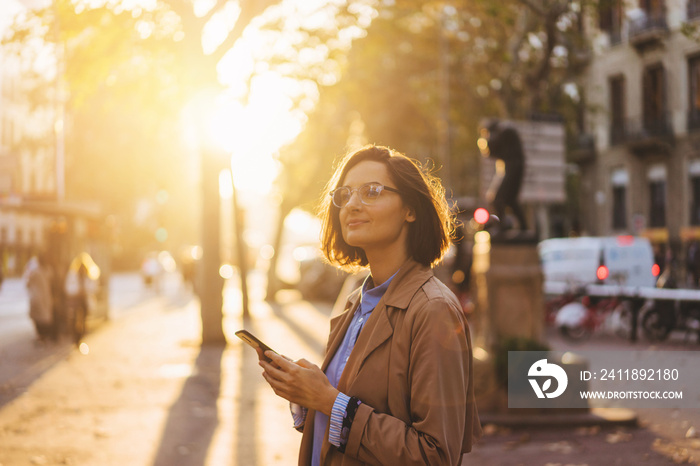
x=379 y=327
x=339 y=325
x=377 y=330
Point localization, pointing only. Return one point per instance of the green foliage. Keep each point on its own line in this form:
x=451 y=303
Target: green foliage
x=124 y=77
x=425 y=74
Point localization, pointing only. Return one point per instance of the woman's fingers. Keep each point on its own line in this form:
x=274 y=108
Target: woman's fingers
x=274 y=371
x=279 y=360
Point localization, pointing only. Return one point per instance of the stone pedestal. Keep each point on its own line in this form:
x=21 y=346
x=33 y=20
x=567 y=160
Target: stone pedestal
x=509 y=315
x=508 y=291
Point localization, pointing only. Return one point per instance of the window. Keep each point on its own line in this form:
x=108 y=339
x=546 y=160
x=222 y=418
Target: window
x=695 y=200
x=654 y=100
x=617 y=109
x=657 y=196
x=693 y=9
x=653 y=8
x=610 y=19
x=694 y=92
x=694 y=172
x=619 y=181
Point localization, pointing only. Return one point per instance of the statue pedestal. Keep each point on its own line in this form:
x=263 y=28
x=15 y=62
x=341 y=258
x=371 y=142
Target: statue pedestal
x=509 y=315
x=507 y=290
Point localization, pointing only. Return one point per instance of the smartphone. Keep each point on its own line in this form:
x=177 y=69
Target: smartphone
x=254 y=341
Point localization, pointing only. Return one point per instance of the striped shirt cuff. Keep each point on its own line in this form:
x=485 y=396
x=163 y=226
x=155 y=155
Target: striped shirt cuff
x=298 y=415
x=337 y=414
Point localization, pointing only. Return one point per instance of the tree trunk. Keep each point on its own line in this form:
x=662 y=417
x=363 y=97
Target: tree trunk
x=273 y=282
x=210 y=281
x=241 y=250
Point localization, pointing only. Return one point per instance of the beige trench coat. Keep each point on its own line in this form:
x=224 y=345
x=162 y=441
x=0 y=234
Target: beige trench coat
x=412 y=369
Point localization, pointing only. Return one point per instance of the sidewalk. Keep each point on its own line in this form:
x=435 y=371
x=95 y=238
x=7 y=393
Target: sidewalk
x=147 y=394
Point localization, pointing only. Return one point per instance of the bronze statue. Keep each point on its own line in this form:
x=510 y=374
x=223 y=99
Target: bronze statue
x=504 y=144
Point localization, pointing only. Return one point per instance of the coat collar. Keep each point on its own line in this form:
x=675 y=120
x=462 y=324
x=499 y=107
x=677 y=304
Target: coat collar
x=410 y=277
x=379 y=327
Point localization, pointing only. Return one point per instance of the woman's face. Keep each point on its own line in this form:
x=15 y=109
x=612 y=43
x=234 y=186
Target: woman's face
x=380 y=228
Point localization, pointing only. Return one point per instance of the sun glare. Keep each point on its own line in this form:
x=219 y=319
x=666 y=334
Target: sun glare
x=253 y=133
x=256 y=115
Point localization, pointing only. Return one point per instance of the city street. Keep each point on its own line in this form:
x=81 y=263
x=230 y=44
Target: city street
x=146 y=393
x=23 y=358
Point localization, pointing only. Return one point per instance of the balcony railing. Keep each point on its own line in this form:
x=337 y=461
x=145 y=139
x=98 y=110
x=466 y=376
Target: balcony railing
x=651 y=126
x=647 y=29
x=693 y=9
x=643 y=130
x=583 y=148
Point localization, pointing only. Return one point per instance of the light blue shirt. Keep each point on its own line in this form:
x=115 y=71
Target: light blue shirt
x=370 y=299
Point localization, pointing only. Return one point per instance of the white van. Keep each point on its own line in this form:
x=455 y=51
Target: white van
x=610 y=260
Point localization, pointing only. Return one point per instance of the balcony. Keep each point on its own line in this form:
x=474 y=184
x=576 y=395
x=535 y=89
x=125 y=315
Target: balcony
x=583 y=149
x=650 y=135
x=647 y=30
x=693 y=9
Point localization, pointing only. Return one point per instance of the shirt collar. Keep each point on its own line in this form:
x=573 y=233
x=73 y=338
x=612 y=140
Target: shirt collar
x=410 y=277
x=371 y=294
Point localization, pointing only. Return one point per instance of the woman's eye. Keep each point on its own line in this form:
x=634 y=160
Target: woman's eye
x=373 y=191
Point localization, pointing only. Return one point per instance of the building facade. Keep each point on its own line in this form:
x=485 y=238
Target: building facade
x=28 y=150
x=640 y=174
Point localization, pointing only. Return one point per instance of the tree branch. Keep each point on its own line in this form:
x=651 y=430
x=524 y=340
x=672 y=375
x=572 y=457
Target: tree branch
x=250 y=9
x=534 y=7
x=220 y=4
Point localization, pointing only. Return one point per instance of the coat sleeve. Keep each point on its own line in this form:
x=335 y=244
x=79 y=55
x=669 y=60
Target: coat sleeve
x=438 y=372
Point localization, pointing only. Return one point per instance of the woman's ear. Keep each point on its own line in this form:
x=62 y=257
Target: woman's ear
x=410 y=214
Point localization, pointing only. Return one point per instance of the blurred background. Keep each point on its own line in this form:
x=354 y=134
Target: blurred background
x=109 y=107
x=160 y=145
x=196 y=136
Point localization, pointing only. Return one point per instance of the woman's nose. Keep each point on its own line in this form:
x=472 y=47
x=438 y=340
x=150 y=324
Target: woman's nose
x=354 y=202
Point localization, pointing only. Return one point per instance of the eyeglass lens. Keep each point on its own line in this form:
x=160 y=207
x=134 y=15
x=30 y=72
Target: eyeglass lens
x=368 y=194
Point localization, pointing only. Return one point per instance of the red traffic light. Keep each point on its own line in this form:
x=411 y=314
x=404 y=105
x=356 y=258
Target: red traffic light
x=602 y=273
x=481 y=215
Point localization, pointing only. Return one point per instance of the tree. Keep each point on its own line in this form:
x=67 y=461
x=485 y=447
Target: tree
x=424 y=75
x=129 y=74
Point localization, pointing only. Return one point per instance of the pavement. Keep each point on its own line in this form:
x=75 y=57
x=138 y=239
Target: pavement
x=143 y=391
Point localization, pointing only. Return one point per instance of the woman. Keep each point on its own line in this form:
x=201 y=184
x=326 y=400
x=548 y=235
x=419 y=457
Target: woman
x=396 y=385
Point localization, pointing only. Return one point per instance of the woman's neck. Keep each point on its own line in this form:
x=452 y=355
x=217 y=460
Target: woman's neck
x=384 y=265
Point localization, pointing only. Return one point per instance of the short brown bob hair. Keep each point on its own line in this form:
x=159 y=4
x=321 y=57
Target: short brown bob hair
x=428 y=236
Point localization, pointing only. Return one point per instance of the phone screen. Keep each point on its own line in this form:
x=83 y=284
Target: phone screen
x=253 y=341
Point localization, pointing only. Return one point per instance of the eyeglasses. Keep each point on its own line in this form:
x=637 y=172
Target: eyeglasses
x=369 y=193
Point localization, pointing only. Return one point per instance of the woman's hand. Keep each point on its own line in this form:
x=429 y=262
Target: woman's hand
x=300 y=382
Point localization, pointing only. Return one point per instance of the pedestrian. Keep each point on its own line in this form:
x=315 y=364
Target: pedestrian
x=38 y=276
x=396 y=385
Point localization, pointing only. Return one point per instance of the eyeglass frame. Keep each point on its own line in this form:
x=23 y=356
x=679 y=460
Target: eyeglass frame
x=381 y=187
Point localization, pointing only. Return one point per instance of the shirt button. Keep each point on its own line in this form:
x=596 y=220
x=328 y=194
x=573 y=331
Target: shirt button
x=361 y=319
x=346 y=359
